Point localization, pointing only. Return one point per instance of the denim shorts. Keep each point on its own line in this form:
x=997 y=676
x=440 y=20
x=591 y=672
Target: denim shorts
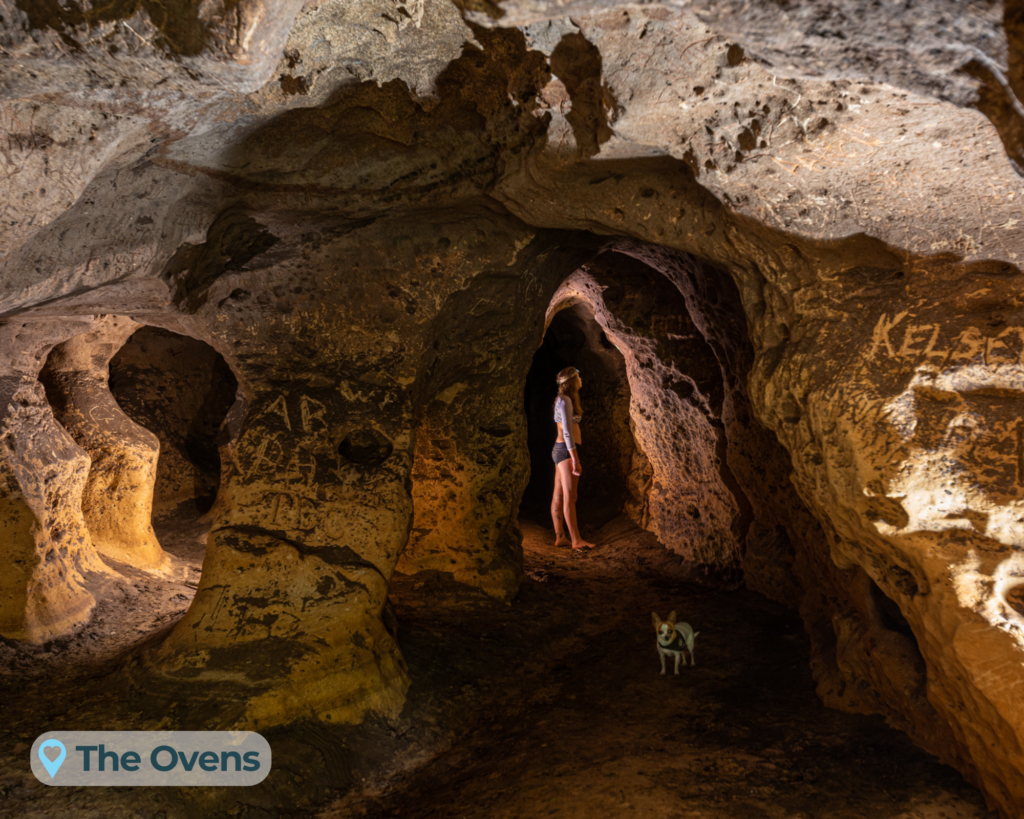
x=561 y=453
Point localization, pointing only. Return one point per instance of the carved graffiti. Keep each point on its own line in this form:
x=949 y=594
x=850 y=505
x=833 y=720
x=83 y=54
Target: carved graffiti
x=265 y=458
x=295 y=463
x=280 y=408
x=896 y=339
x=312 y=413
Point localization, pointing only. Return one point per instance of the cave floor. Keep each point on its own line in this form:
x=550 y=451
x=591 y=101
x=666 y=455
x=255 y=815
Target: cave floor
x=552 y=706
x=564 y=713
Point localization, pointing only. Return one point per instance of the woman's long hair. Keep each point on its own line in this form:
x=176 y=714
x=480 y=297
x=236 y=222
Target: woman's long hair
x=568 y=386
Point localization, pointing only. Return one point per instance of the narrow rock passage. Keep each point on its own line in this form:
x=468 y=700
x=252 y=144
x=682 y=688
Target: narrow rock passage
x=555 y=706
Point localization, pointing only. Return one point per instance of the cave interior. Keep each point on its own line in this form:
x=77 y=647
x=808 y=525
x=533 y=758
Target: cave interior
x=284 y=292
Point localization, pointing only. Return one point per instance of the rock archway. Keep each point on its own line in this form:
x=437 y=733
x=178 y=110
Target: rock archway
x=102 y=475
x=181 y=390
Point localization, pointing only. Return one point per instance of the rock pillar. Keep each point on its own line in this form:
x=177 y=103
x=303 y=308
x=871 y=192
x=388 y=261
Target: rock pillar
x=46 y=548
x=117 y=501
x=309 y=526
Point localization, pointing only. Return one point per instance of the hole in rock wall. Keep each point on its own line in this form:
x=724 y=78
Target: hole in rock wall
x=575 y=339
x=180 y=389
x=889 y=613
x=366 y=447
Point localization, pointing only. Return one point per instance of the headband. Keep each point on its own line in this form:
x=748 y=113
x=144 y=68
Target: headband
x=563 y=378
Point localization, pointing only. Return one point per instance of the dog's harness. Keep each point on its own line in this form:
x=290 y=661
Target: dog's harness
x=677 y=643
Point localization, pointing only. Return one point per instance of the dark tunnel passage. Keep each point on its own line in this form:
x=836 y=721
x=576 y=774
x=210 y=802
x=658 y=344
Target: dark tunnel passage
x=181 y=389
x=574 y=338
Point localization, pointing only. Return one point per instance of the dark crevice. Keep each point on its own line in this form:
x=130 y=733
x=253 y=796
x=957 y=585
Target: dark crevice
x=890 y=614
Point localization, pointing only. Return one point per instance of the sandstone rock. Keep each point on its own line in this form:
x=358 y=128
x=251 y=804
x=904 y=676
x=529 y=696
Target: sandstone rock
x=372 y=248
x=117 y=501
x=48 y=548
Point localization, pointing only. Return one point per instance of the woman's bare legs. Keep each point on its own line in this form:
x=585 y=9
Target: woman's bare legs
x=569 y=481
x=556 y=513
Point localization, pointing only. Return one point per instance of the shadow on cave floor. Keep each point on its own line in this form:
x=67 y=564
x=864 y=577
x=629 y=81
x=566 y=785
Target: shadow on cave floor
x=552 y=706
x=555 y=706
x=128 y=611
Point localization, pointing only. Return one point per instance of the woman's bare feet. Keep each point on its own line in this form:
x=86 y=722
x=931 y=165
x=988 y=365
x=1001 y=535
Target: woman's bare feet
x=583 y=545
x=562 y=540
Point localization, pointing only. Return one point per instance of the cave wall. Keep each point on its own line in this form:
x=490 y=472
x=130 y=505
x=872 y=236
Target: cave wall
x=48 y=551
x=361 y=227
x=319 y=508
x=865 y=654
x=912 y=448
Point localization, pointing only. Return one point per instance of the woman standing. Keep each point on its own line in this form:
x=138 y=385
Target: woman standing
x=568 y=412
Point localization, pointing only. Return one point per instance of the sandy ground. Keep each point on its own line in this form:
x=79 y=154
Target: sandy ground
x=66 y=683
x=553 y=706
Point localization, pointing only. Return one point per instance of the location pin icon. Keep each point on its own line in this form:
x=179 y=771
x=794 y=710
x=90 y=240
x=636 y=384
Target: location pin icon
x=52 y=761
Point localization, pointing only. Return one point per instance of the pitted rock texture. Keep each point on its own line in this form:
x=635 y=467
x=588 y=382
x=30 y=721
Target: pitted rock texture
x=909 y=438
x=674 y=381
x=372 y=249
x=471 y=462
x=118 y=499
x=48 y=547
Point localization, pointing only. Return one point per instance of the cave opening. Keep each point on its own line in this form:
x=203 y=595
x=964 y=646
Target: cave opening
x=575 y=338
x=150 y=409
x=181 y=389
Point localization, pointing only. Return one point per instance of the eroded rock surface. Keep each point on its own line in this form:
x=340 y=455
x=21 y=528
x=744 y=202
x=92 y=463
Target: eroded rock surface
x=675 y=401
x=117 y=502
x=48 y=548
x=366 y=210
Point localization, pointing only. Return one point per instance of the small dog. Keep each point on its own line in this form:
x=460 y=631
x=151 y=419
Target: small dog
x=674 y=638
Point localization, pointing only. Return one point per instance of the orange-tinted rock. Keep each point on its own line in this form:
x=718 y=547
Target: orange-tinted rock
x=374 y=264
x=117 y=501
x=48 y=550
